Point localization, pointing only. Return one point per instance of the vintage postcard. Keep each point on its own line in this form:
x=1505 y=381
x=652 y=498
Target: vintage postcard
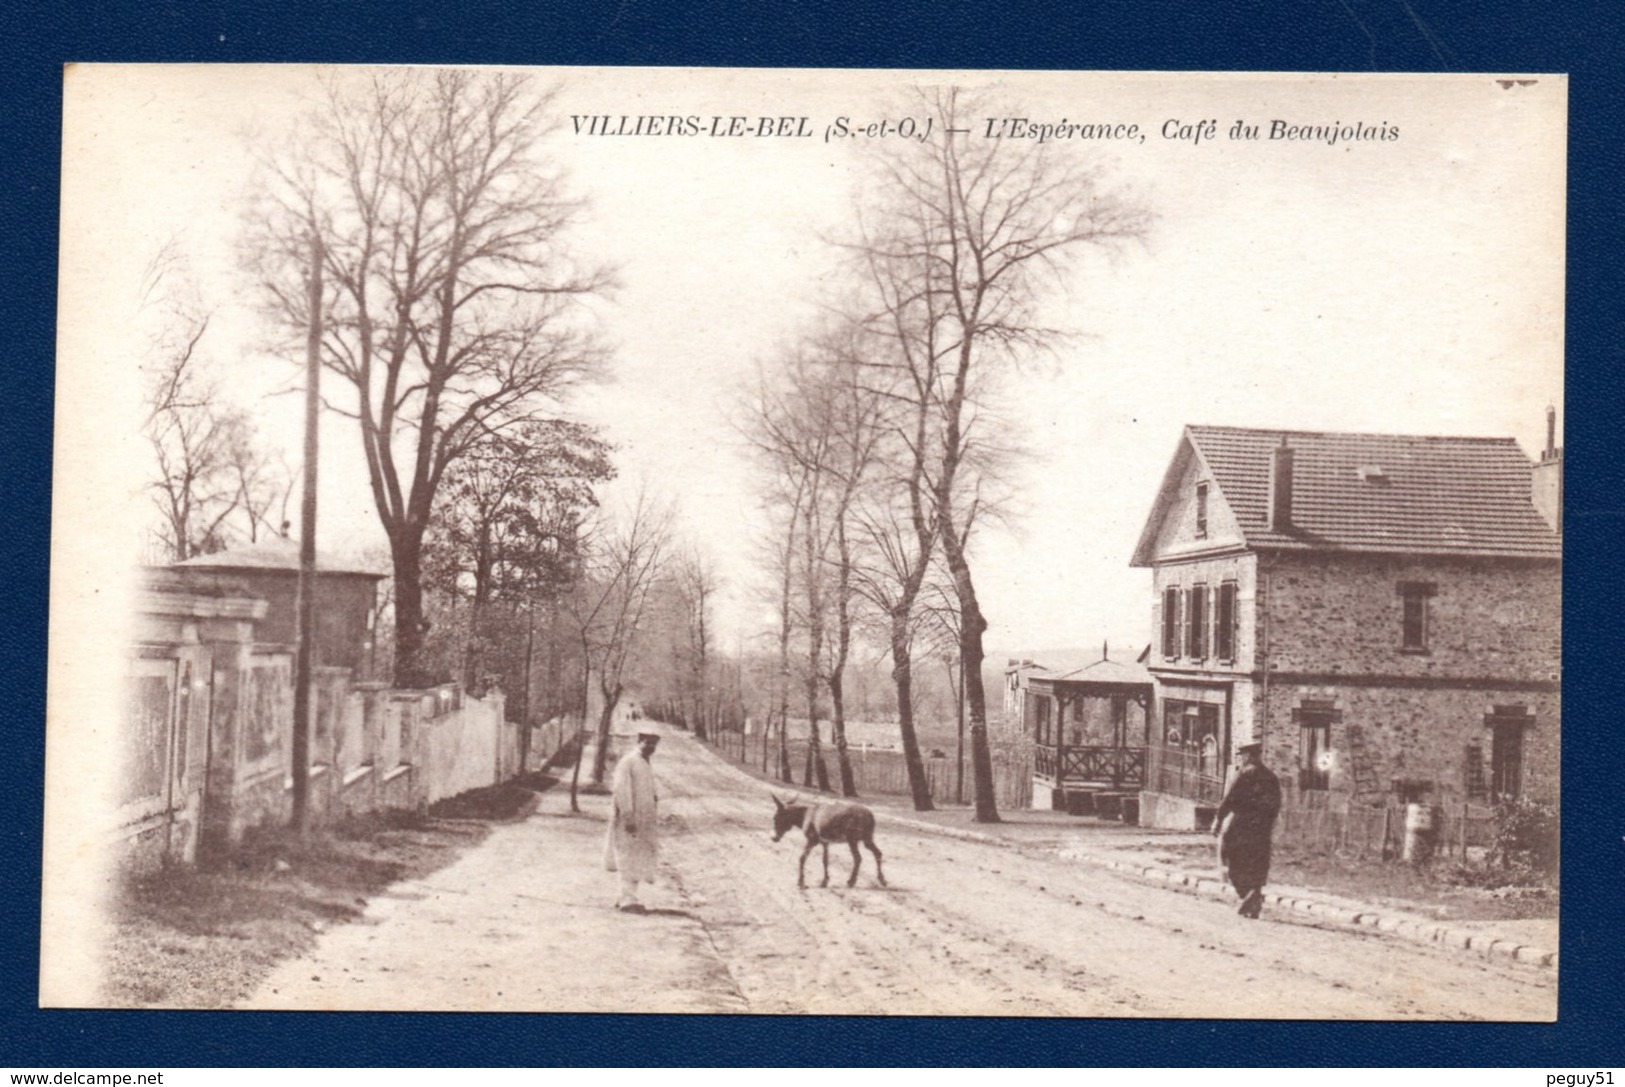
x=1064 y=544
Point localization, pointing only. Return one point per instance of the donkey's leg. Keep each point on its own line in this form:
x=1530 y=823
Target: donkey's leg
x=801 y=872
x=826 y=866
x=879 y=874
x=857 y=861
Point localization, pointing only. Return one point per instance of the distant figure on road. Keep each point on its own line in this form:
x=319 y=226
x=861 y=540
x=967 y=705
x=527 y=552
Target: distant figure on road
x=1244 y=823
x=632 y=845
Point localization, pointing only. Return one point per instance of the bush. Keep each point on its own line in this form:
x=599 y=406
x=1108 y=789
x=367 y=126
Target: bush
x=1526 y=837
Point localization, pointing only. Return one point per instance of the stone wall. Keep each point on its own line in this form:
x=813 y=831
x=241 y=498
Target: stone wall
x=1414 y=734
x=206 y=744
x=1319 y=630
x=1486 y=618
x=1333 y=640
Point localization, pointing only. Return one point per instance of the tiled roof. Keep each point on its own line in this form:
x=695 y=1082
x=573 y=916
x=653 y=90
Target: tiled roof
x=274 y=554
x=1429 y=494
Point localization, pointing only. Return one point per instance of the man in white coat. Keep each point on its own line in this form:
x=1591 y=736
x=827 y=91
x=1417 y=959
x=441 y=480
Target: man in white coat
x=632 y=846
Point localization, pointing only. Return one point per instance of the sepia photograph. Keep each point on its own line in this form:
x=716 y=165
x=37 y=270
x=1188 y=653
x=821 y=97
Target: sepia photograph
x=807 y=542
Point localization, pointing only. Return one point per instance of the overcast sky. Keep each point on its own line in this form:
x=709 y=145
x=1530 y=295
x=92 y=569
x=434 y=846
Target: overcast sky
x=1406 y=286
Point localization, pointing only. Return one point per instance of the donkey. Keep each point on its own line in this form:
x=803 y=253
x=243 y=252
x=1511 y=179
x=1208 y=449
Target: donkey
x=826 y=822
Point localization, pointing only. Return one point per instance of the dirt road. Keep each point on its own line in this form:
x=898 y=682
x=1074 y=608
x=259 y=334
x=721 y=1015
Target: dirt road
x=525 y=923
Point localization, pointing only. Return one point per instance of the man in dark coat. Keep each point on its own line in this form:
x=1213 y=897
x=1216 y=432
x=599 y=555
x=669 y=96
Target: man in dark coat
x=1244 y=823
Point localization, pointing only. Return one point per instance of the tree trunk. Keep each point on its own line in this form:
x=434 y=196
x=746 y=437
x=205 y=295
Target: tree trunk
x=406 y=549
x=837 y=734
x=971 y=626
x=526 y=716
x=903 y=676
x=600 y=757
x=701 y=726
x=837 y=670
x=958 y=688
x=785 y=773
x=815 y=773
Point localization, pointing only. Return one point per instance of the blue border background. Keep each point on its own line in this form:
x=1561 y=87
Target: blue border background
x=1582 y=39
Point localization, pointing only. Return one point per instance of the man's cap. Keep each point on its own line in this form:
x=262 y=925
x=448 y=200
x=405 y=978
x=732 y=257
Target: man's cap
x=655 y=736
x=1254 y=746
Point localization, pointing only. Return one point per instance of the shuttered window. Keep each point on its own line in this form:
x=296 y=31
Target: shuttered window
x=1170 y=624
x=1196 y=632
x=1224 y=623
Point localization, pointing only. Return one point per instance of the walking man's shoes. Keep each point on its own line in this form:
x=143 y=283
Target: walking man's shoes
x=1252 y=905
x=631 y=907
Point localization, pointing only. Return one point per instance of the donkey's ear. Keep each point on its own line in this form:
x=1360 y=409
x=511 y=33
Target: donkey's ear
x=777 y=803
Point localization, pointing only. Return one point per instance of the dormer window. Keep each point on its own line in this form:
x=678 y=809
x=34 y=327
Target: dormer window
x=1374 y=474
x=1201 y=511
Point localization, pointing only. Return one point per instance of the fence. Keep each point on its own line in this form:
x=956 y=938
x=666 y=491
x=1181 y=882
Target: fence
x=1379 y=832
x=885 y=773
x=1185 y=773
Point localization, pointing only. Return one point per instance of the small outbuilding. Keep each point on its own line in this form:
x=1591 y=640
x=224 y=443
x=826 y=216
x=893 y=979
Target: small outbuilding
x=1090 y=728
x=345 y=599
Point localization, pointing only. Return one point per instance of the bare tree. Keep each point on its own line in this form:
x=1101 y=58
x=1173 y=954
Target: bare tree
x=896 y=517
x=968 y=239
x=695 y=584
x=791 y=494
x=212 y=483
x=622 y=566
x=264 y=484
x=845 y=420
x=451 y=309
x=792 y=429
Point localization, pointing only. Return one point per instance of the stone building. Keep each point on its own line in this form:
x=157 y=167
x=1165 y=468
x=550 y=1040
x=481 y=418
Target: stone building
x=346 y=595
x=1382 y=612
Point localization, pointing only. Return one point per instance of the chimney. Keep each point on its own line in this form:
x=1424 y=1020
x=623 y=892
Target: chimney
x=1280 y=495
x=1546 y=482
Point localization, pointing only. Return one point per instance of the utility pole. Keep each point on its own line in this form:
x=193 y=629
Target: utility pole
x=304 y=658
x=958 y=685
x=526 y=720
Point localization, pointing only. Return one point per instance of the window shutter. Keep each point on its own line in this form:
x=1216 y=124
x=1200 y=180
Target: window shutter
x=1185 y=617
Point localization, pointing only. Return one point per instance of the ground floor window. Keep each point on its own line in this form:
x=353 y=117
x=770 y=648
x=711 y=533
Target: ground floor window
x=1314 y=752
x=1508 y=727
x=1506 y=760
x=1315 y=718
x=1194 y=729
